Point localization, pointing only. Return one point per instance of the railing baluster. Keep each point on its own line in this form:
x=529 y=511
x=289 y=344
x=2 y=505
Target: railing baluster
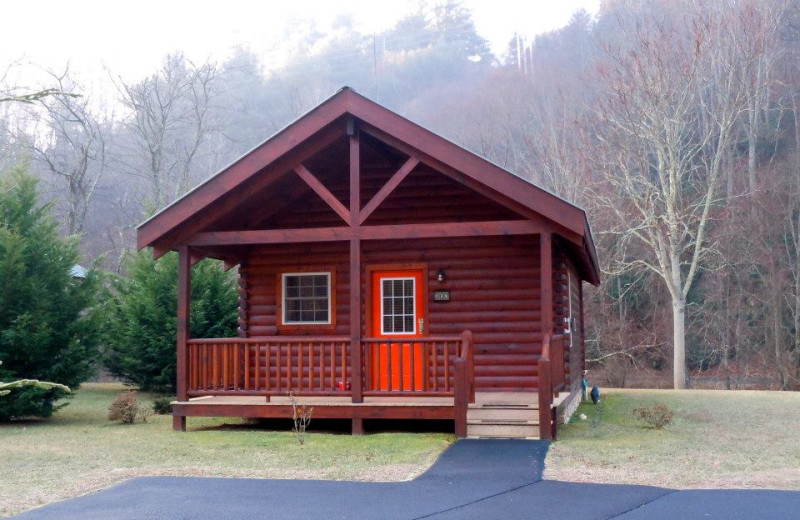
x=435 y=356
x=447 y=366
x=402 y=382
x=333 y=366
x=215 y=369
x=225 y=367
x=389 y=373
x=278 y=365
x=288 y=367
x=413 y=366
x=246 y=349
x=344 y=365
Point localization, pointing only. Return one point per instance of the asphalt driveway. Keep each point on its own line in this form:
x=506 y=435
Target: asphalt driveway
x=480 y=479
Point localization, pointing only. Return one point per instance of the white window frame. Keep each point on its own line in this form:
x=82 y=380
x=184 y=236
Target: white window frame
x=414 y=306
x=284 y=321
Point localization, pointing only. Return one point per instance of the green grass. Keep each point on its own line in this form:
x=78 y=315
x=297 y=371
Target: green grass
x=718 y=439
x=79 y=451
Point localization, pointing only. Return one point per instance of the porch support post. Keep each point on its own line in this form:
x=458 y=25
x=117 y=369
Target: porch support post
x=545 y=384
x=546 y=280
x=355 y=267
x=184 y=302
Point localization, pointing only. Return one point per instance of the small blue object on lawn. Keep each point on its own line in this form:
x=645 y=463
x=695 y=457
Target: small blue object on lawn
x=595 y=395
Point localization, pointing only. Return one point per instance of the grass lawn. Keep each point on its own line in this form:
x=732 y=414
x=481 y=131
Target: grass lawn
x=718 y=439
x=78 y=451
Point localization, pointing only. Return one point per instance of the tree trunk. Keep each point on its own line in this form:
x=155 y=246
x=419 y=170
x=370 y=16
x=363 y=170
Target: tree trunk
x=679 y=344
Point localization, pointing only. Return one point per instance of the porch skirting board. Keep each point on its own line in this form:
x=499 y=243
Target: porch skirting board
x=325 y=407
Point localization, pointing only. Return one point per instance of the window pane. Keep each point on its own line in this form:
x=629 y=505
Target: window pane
x=387 y=324
x=409 y=324
x=306 y=298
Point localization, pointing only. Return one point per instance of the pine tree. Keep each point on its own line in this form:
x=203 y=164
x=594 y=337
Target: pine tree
x=142 y=316
x=49 y=328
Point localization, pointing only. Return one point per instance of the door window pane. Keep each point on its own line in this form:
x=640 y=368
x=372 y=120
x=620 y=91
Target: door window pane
x=397 y=306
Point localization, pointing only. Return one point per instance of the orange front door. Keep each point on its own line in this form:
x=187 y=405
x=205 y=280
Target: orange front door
x=397 y=315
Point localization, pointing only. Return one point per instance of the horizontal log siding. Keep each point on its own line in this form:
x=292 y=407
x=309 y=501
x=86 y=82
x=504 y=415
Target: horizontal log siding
x=494 y=291
x=565 y=287
x=262 y=307
x=493 y=284
x=575 y=353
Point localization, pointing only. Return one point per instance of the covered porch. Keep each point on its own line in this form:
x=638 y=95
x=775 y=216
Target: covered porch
x=405 y=378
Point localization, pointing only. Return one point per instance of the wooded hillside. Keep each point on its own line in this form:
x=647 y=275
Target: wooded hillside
x=673 y=122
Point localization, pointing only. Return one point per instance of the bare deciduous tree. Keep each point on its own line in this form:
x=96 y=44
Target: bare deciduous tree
x=664 y=132
x=170 y=120
x=72 y=147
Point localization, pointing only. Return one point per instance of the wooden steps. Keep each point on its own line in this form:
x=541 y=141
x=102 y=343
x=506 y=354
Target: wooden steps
x=513 y=415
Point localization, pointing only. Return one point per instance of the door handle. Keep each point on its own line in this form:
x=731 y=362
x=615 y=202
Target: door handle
x=421 y=325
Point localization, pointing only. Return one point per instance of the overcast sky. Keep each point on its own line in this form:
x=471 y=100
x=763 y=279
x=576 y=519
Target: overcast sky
x=131 y=38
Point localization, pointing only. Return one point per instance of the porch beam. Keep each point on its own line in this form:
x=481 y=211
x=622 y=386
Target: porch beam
x=448 y=229
x=355 y=269
x=388 y=188
x=270 y=236
x=322 y=191
x=390 y=231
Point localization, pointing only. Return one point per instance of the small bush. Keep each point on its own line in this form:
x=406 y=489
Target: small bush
x=125 y=409
x=30 y=398
x=657 y=416
x=162 y=406
x=301 y=418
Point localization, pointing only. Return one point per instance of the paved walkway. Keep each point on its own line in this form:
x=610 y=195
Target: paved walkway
x=480 y=479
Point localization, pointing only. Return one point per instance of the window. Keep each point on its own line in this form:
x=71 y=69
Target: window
x=397 y=306
x=306 y=298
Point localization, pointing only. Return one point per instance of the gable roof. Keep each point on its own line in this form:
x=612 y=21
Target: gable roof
x=441 y=154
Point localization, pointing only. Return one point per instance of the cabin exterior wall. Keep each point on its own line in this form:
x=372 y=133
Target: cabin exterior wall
x=493 y=284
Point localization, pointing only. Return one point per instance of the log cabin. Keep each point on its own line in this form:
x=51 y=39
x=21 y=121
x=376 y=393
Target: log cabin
x=384 y=273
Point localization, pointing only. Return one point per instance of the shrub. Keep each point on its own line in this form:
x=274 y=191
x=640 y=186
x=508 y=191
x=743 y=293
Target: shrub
x=657 y=416
x=125 y=408
x=301 y=418
x=142 y=317
x=30 y=398
x=162 y=406
x=49 y=327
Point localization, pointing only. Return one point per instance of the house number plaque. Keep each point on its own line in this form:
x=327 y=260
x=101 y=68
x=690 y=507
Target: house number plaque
x=441 y=296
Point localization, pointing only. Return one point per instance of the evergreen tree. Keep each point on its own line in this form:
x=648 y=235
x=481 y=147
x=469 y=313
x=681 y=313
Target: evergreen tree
x=142 y=316
x=49 y=328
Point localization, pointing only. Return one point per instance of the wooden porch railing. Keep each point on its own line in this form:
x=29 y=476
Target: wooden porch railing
x=268 y=366
x=322 y=365
x=552 y=379
x=420 y=366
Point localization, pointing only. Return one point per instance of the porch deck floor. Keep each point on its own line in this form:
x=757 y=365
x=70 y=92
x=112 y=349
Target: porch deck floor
x=221 y=400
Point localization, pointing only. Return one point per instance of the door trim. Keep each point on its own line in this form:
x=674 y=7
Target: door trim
x=370 y=268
